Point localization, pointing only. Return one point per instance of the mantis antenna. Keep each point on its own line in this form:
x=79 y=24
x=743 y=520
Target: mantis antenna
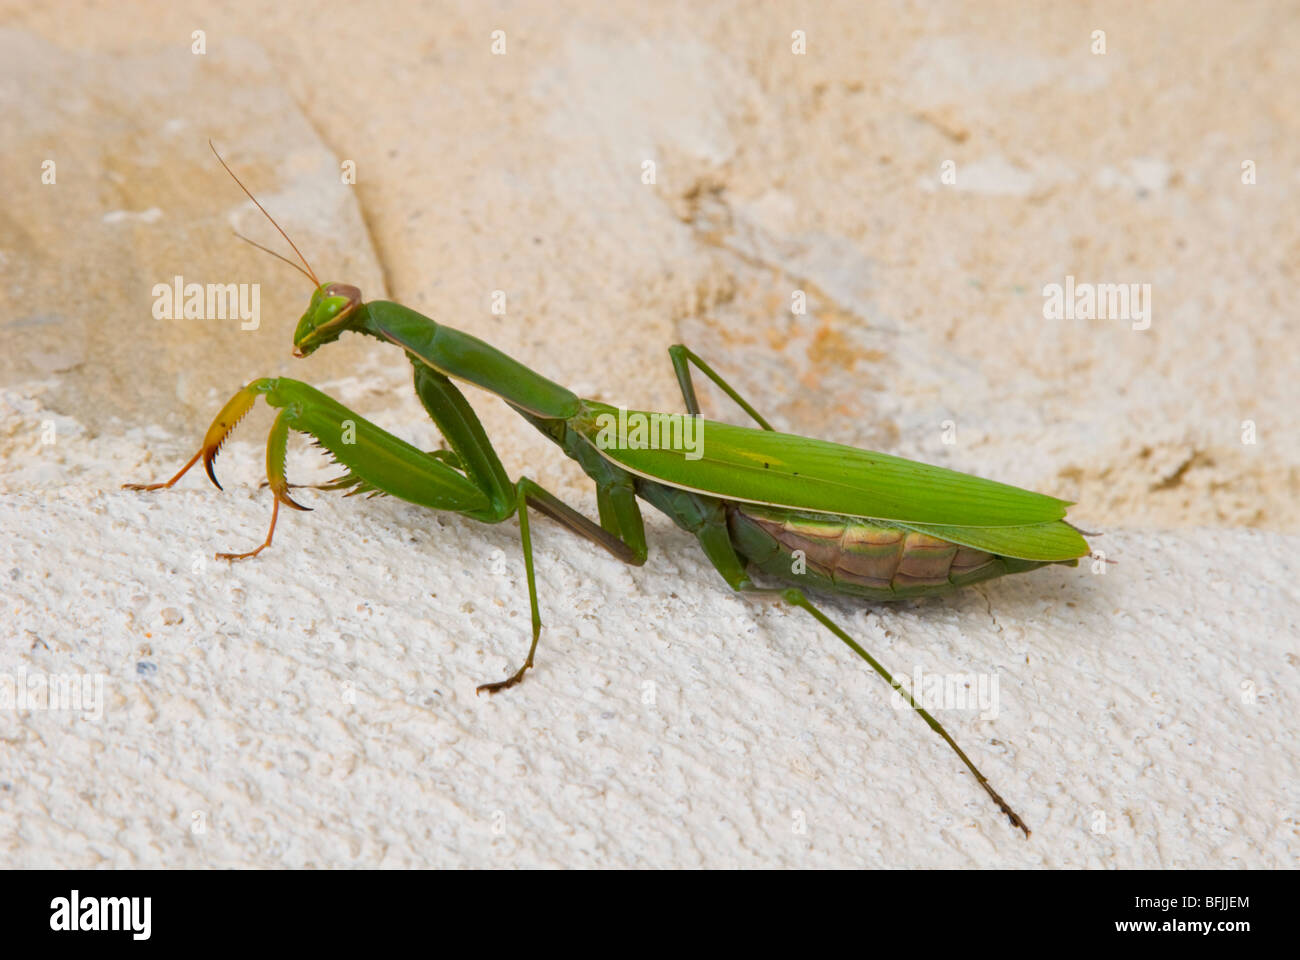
x=278 y=256
x=310 y=272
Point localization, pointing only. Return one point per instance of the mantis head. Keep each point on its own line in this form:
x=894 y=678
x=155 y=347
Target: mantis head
x=333 y=307
x=332 y=311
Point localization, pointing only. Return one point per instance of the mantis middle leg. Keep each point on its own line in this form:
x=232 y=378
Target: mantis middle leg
x=682 y=356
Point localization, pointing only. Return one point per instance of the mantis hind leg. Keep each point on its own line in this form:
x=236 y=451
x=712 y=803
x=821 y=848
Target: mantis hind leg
x=706 y=519
x=682 y=357
x=796 y=598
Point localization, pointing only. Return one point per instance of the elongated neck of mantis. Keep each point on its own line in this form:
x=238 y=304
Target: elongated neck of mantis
x=464 y=357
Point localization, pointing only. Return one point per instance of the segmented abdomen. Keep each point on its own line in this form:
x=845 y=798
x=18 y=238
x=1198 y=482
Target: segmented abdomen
x=865 y=557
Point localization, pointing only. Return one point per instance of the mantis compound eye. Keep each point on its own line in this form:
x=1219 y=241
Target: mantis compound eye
x=345 y=290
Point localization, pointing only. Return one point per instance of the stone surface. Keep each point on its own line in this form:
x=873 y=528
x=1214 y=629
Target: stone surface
x=316 y=706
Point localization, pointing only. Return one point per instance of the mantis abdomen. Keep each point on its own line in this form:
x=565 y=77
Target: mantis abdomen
x=866 y=558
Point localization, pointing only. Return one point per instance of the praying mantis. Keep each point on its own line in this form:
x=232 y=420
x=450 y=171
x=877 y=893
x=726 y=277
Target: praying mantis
x=807 y=513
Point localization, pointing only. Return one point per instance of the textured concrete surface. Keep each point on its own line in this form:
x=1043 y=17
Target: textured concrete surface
x=316 y=706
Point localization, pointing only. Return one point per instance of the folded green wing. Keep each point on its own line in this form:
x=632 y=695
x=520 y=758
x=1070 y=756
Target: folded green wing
x=1048 y=542
x=762 y=466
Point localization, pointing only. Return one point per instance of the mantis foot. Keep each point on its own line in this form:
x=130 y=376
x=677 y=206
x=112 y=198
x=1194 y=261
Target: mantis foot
x=242 y=556
x=503 y=684
x=275 y=513
x=1005 y=808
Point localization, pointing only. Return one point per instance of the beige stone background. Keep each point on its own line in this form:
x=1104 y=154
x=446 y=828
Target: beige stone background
x=316 y=706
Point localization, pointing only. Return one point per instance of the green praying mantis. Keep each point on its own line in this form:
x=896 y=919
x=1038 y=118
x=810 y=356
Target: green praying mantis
x=810 y=514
